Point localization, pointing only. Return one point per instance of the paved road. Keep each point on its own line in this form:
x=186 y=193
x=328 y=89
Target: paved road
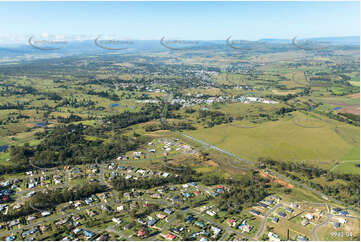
x=192 y=211
x=112 y=229
x=264 y=222
x=102 y=180
x=224 y=227
x=224 y=236
x=329 y=216
x=49 y=219
x=340 y=163
x=274 y=173
x=37 y=189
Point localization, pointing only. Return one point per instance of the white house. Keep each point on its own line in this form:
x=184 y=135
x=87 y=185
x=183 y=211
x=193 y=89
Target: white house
x=117 y=220
x=215 y=230
x=342 y=220
x=211 y=213
x=45 y=213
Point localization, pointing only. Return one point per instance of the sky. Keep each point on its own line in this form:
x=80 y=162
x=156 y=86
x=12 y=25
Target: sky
x=181 y=20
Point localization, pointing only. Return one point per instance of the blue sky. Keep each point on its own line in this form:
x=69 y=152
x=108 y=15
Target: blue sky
x=185 y=20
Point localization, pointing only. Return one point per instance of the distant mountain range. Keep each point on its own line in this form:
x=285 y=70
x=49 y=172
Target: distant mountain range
x=348 y=40
x=79 y=47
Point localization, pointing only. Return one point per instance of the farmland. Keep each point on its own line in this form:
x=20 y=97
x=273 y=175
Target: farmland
x=166 y=145
x=308 y=138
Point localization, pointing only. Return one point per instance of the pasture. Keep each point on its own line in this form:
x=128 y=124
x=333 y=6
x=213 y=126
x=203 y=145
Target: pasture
x=300 y=138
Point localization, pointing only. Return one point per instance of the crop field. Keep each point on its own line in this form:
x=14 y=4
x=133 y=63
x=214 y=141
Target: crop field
x=347 y=104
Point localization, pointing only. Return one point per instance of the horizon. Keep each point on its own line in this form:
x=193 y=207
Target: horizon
x=181 y=20
x=74 y=38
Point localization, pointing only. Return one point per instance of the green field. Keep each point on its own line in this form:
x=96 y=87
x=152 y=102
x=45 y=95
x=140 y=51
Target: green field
x=286 y=139
x=348 y=167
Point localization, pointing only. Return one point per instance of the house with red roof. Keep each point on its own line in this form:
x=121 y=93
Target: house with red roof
x=141 y=233
x=231 y=222
x=169 y=236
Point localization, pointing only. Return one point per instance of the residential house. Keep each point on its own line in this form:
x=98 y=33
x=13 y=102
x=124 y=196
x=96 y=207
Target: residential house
x=341 y=220
x=211 y=213
x=177 y=230
x=61 y=222
x=161 y=216
x=197 y=193
x=43 y=228
x=275 y=220
x=14 y=223
x=168 y=211
x=231 y=222
x=273 y=237
x=169 y=236
x=290 y=210
x=189 y=219
x=141 y=233
x=77 y=230
x=187 y=194
x=269 y=202
x=301 y=238
x=88 y=234
x=293 y=205
x=255 y=212
x=10 y=238
x=336 y=210
x=215 y=231
x=245 y=227
x=102 y=237
x=263 y=205
x=91 y=213
x=200 y=224
x=343 y=212
x=88 y=200
x=305 y=222
x=141 y=221
x=152 y=222
x=45 y=213
x=117 y=220
x=128 y=226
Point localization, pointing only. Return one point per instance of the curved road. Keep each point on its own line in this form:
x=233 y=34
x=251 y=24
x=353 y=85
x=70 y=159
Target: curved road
x=263 y=224
x=329 y=216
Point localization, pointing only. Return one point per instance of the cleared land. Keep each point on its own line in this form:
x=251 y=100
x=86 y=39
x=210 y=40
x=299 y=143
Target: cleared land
x=286 y=139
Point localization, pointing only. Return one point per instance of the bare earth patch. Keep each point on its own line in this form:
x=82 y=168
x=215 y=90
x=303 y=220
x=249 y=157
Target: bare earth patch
x=212 y=163
x=355 y=96
x=275 y=179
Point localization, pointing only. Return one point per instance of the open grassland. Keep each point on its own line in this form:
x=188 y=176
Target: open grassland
x=286 y=139
x=352 y=167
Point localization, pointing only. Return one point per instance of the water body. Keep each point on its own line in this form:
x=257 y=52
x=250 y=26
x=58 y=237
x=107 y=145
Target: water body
x=3 y=148
x=40 y=124
x=115 y=105
x=337 y=108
